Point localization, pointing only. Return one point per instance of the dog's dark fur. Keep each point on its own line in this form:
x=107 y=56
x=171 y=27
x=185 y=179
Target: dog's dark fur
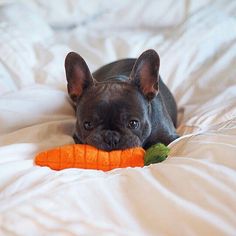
x=122 y=104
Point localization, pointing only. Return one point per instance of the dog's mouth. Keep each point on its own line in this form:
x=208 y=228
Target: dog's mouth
x=108 y=148
x=76 y=139
x=126 y=142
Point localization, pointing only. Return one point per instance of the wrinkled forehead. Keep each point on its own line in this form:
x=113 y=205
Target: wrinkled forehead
x=112 y=98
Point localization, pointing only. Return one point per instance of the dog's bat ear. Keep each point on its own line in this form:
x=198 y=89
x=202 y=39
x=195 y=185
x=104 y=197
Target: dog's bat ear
x=145 y=73
x=77 y=74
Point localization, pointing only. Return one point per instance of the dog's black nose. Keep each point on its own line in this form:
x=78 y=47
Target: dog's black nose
x=112 y=138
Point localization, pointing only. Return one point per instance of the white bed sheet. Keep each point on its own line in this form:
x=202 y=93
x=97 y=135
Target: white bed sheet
x=190 y=193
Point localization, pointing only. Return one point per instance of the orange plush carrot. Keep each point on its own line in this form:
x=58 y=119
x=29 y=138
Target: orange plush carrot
x=88 y=157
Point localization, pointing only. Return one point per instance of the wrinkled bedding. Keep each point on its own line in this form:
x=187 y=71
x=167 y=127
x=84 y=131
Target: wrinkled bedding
x=192 y=192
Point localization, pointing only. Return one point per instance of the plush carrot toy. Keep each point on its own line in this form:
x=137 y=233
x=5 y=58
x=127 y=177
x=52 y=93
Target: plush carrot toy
x=89 y=157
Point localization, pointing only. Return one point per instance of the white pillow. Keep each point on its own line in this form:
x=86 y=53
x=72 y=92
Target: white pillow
x=6 y=83
x=25 y=18
x=16 y=57
x=69 y=13
x=142 y=14
x=149 y=14
x=5 y=2
x=115 y=13
x=21 y=29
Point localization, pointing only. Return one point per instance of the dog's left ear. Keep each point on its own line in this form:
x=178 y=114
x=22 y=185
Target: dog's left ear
x=145 y=73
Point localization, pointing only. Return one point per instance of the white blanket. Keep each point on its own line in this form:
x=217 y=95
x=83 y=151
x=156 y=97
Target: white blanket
x=193 y=192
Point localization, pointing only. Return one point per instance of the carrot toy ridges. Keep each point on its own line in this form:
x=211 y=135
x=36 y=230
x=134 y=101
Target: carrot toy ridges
x=88 y=157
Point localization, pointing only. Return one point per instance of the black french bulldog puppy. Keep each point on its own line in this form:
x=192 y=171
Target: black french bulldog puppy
x=121 y=105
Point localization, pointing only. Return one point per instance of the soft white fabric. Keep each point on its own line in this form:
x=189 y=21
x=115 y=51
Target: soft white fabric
x=124 y=13
x=191 y=193
x=21 y=31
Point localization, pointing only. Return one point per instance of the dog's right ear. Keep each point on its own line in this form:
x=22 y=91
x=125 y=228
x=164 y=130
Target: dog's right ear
x=77 y=74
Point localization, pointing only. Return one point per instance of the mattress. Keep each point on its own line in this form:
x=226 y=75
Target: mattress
x=192 y=192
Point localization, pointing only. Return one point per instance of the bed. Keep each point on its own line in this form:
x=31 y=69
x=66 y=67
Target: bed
x=192 y=192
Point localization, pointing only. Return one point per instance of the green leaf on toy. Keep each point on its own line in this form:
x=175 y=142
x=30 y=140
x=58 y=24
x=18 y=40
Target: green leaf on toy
x=156 y=153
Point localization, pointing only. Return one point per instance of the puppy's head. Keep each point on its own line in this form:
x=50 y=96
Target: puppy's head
x=114 y=114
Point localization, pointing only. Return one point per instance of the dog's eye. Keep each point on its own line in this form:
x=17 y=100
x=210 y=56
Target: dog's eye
x=133 y=124
x=88 y=125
